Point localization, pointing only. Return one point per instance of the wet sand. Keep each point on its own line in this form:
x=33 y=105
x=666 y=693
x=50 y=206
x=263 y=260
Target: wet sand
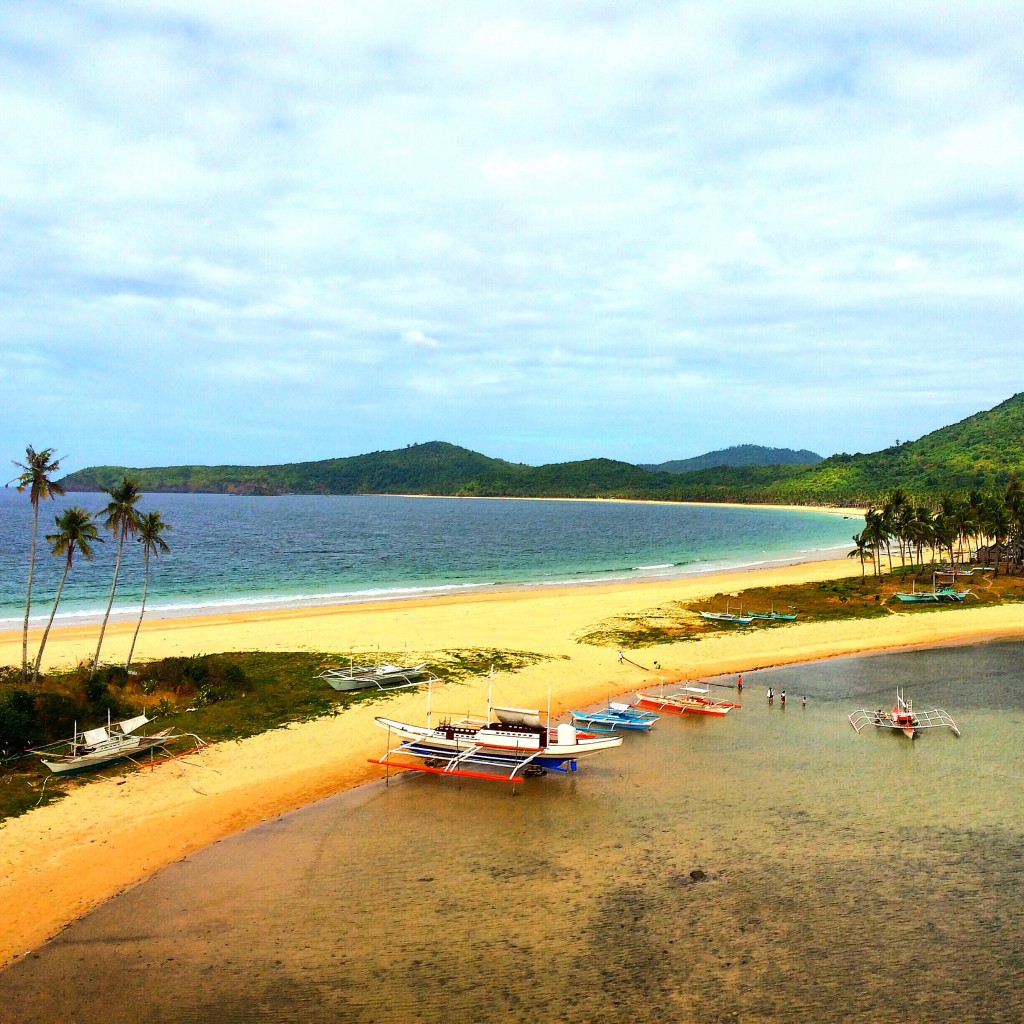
x=61 y=861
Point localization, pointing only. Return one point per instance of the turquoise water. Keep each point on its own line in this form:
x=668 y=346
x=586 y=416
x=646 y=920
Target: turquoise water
x=231 y=552
x=843 y=877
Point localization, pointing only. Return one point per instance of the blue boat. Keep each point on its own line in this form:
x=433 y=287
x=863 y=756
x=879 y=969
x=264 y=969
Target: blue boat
x=615 y=716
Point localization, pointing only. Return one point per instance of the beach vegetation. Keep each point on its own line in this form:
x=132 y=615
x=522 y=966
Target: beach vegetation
x=36 y=477
x=828 y=601
x=228 y=696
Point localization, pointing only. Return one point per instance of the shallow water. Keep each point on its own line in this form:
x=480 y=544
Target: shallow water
x=846 y=878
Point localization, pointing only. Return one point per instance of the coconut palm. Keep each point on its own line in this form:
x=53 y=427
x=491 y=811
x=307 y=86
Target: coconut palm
x=122 y=520
x=863 y=550
x=37 y=469
x=150 y=528
x=76 y=531
x=876 y=533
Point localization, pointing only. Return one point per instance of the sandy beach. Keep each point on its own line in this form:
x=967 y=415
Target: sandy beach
x=60 y=861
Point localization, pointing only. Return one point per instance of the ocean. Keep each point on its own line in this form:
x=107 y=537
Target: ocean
x=770 y=866
x=230 y=553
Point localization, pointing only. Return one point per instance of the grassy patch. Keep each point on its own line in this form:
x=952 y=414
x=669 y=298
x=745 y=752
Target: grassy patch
x=217 y=696
x=831 y=600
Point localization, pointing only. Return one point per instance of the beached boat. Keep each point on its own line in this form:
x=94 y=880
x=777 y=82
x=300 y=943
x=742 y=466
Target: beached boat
x=917 y=597
x=773 y=616
x=380 y=677
x=509 y=744
x=615 y=716
x=690 y=700
x=939 y=592
x=740 y=620
x=903 y=718
x=117 y=741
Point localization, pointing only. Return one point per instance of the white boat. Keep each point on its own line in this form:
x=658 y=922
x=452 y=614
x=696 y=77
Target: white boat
x=729 y=616
x=95 y=748
x=508 y=744
x=380 y=677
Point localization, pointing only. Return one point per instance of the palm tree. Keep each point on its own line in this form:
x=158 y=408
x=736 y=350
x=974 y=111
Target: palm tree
x=864 y=550
x=122 y=520
x=37 y=469
x=76 y=530
x=876 y=533
x=150 y=528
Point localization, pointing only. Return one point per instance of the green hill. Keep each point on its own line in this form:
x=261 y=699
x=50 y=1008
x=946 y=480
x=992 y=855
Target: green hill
x=433 y=468
x=981 y=452
x=738 y=455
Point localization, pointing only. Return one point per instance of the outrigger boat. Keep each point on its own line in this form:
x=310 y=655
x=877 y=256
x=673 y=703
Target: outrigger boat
x=939 y=592
x=517 y=744
x=729 y=616
x=381 y=677
x=773 y=616
x=903 y=718
x=615 y=716
x=690 y=700
x=118 y=741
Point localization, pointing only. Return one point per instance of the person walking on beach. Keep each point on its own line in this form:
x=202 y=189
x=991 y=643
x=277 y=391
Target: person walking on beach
x=782 y=698
x=805 y=702
x=621 y=659
x=739 y=683
x=771 y=696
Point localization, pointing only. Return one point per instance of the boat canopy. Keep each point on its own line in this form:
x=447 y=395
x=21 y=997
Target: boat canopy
x=131 y=724
x=93 y=736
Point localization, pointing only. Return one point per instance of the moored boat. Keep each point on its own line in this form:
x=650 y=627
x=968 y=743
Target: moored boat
x=615 y=716
x=689 y=700
x=903 y=718
x=508 y=745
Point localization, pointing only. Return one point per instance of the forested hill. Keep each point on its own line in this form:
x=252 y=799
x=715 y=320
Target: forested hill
x=981 y=452
x=433 y=468
x=737 y=455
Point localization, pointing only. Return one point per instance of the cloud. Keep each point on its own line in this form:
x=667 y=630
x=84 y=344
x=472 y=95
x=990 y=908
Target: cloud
x=559 y=218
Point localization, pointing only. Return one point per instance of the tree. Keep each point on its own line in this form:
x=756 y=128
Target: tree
x=150 y=528
x=864 y=550
x=122 y=520
x=76 y=530
x=37 y=469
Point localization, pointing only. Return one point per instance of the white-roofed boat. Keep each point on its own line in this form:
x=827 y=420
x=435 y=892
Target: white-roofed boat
x=116 y=741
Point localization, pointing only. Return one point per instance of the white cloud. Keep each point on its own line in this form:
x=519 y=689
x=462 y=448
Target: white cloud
x=591 y=206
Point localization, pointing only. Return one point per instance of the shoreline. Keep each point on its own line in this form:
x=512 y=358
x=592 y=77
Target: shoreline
x=60 y=861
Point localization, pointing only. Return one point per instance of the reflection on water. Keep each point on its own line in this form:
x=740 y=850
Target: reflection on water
x=771 y=866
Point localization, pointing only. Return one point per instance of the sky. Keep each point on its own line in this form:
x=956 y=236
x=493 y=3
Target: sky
x=273 y=232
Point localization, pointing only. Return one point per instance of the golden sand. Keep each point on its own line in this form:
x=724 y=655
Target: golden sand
x=60 y=861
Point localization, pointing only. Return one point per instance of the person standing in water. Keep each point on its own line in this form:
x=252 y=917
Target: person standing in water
x=782 y=698
x=771 y=696
x=739 y=682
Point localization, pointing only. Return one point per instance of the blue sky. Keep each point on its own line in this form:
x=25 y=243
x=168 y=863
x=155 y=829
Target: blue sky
x=266 y=232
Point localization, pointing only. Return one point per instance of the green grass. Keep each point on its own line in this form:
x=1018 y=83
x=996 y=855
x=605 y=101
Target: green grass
x=218 y=697
x=832 y=600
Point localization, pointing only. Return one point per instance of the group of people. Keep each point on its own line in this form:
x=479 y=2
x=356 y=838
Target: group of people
x=782 y=697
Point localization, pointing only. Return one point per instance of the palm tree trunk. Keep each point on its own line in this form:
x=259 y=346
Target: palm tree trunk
x=46 y=632
x=28 y=594
x=142 y=611
x=110 y=604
